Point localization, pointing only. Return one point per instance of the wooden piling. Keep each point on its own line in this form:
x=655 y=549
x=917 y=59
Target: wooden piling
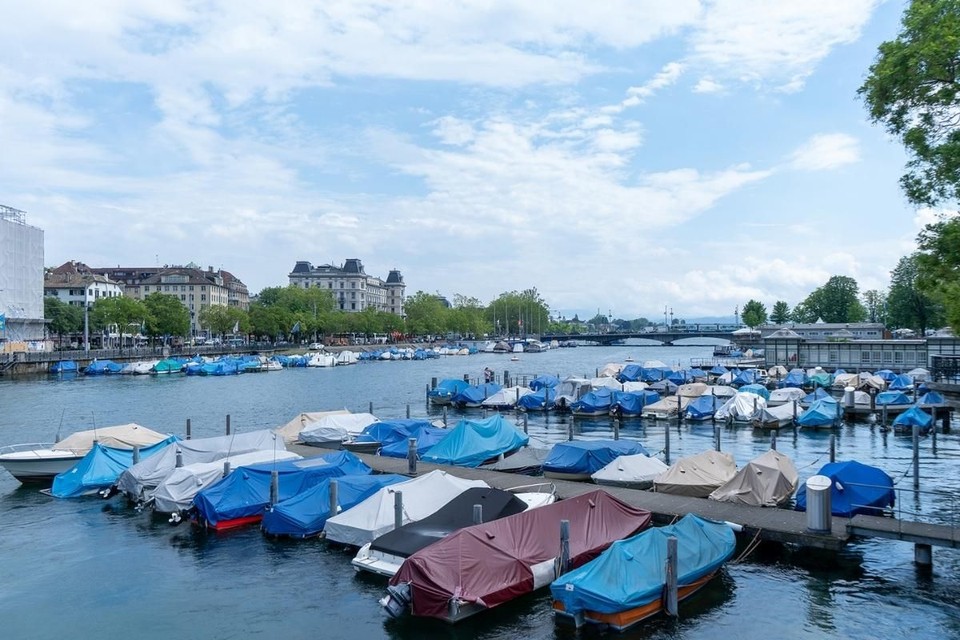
x=478 y=514
x=670 y=605
x=189 y=429
x=398 y=509
x=228 y=424
x=916 y=457
x=564 y=546
x=274 y=487
x=334 y=497
x=412 y=456
x=833 y=448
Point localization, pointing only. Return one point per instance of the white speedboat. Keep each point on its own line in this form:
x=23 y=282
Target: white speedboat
x=40 y=462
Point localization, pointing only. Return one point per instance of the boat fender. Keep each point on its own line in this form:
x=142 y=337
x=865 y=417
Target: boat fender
x=733 y=525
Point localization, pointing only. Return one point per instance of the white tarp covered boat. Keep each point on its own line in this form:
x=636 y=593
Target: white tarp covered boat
x=742 y=407
x=781 y=415
x=506 y=398
x=785 y=396
x=332 y=430
x=636 y=472
x=698 y=475
x=666 y=408
x=766 y=481
x=291 y=430
x=692 y=389
x=721 y=391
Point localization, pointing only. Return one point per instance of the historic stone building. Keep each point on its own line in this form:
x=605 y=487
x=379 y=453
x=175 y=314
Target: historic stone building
x=352 y=289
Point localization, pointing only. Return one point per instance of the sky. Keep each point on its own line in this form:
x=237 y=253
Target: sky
x=621 y=156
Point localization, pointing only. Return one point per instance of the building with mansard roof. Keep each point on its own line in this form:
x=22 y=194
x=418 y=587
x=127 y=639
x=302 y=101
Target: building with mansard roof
x=353 y=290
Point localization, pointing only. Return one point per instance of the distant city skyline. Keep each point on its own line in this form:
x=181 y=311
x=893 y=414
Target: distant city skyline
x=614 y=155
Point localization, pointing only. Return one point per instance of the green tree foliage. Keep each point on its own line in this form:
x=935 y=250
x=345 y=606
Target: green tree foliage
x=780 y=313
x=908 y=305
x=519 y=313
x=166 y=316
x=220 y=320
x=62 y=318
x=836 y=301
x=754 y=314
x=875 y=305
x=912 y=89
x=120 y=313
x=803 y=313
x=938 y=264
x=425 y=314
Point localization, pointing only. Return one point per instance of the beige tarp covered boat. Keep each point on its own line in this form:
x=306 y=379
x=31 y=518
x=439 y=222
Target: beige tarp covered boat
x=697 y=476
x=291 y=431
x=766 y=481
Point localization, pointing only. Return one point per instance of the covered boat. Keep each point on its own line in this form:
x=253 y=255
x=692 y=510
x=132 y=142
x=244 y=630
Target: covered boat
x=426 y=436
x=290 y=432
x=702 y=408
x=768 y=480
x=305 y=514
x=474 y=395
x=483 y=566
x=385 y=554
x=902 y=382
x=823 y=413
x=855 y=488
x=757 y=389
x=506 y=398
x=697 y=475
x=931 y=399
x=666 y=408
x=629 y=404
x=742 y=407
x=893 y=400
x=473 y=442
x=168 y=365
x=331 y=431
x=102 y=367
x=445 y=391
x=776 y=417
x=579 y=459
x=785 y=395
x=594 y=403
x=64 y=366
x=526 y=461
x=635 y=471
x=376 y=515
x=242 y=497
x=599 y=593
x=385 y=432
x=99 y=469
x=796 y=378
x=543 y=399
x=913 y=417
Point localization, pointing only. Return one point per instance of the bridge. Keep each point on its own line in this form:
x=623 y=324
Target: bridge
x=665 y=337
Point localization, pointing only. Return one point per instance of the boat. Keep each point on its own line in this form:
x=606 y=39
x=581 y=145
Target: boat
x=893 y=401
x=386 y=554
x=377 y=515
x=786 y=395
x=244 y=496
x=854 y=488
x=697 y=475
x=768 y=480
x=445 y=391
x=473 y=396
x=331 y=431
x=913 y=417
x=426 y=435
x=702 y=408
x=635 y=471
x=527 y=461
x=99 y=469
x=570 y=390
x=666 y=408
x=782 y=415
x=579 y=459
x=102 y=367
x=473 y=442
x=305 y=514
x=594 y=403
x=484 y=566
x=381 y=433
x=822 y=414
x=506 y=398
x=168 y=366
x=40 y=462
x=64 y=366
x=543 y=399
x=597 y=592
x=630 y=404
x=290 y=432
x=743 y=407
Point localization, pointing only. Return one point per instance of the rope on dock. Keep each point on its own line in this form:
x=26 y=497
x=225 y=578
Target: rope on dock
x=750 y=548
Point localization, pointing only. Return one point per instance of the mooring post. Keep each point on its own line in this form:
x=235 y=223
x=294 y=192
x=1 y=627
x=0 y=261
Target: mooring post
x=408 y=411
x=570 y=431
x=444 y=417
x=933 y=433
x=564 y=546
x=525 y=427
x=412 y=456
x=883 y=419
x=666 y=443
x=136 y=455
x=433 y=384
x=427 y=394
x=773 y=440
x=670 y=606
x=833 y=448
x=916 y=456
x=370 y=408
x=226 y=468
x=274 y=487
x=179 y=462
x=228 y=424
x=923 y=554
x=713 y=416
x=506 y=378
x=616 y=428
x=483 y=413
x=478 y=514
x=716 y=437
x=679 y=410
x=334 y=498
x=398 y=509
x=189 y=429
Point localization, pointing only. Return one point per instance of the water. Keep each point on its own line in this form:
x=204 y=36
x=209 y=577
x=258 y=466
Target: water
x=93 y=568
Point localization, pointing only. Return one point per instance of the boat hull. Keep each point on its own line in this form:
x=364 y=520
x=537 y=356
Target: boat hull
x=37 y=469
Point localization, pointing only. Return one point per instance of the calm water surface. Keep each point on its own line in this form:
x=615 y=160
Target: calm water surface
x=92 y=568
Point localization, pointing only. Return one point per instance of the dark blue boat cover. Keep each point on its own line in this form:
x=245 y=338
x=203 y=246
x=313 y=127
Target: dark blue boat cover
x=475 y=394
x=886 y=374
x=718 y=370
x=630 y=373
x=589 y=456
x=677 y=377
x=697 y=373
x=747 y=376
x=813 y=396
x=703 y=407
x=64 y=366
x=821 y=413
x=930 y=398
x=857 y=488
x=542 y=399
x=426 y=435
x=892 y=397
x=901 y=383
x=472 y=442
x=100 y=367
x=631 y=403
x=914 y=416
x=653 y=374
x=246 y=491
x=597 y=401
x=448 y=388
x=544 y=381
x=306 y=513
x=99 y=469
x=632 y=572
x=389 y=431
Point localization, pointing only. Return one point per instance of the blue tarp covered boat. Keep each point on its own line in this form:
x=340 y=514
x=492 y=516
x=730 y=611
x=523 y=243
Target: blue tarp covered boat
x=718 y=370
x=99 y=469
x=902 y=382
x=473 y=442
x=677 y=377
x=757 y=389
x=795 y=378
x=446 y=390
x=64 y=366
x=219 y=368
x=631 y=403
x=886 y=374
x=914 y=416
x=747 y=376
x=813 y=396
x=893 y=398
x=930 y=399
x=594 y=403
x=630 y=373
x=822 y=413
x=306 y=513
x=426 y=436
x=578 y=459
x=544 y=381
x=244 y=495
x=625 y=584
x=702 y=407
x=102 y=367
x=857 y=488
x=385 y=432
x=542 y=399
x=474 y=395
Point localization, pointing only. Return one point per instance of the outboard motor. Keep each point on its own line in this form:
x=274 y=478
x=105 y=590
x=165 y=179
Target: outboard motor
x=397 y=600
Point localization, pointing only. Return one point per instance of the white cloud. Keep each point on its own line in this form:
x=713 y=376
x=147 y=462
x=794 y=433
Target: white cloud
x=664 y=78
x=930 y=215
x=826 y=151
x=707 y=85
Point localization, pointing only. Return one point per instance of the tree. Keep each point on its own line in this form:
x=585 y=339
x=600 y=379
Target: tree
x=835 y=301
x=803 y=313
x=909 y=306
x=217 y=319
x=166 y=316
x=425 y=314
x=754 y=314
x=913 y=89
x=875 y=304
x=119 y=312
x=62 y=318
x=519 y=312
x=780 y=313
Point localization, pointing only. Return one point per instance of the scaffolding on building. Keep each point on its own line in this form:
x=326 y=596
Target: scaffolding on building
x=13 y=215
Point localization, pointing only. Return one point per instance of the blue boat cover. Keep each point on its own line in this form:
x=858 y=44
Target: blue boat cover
x=99 y=469
x=631 y=403
x=718 y=370
x=677 y=377
x=796 y=378
x=632 y=572
x=306 y=513
x=472 y=442
x=630 y=373
x=654 y=374
x=703 y=407
x=389 y=431
x=697 y=373
x=100 y=367
x=544 y=381
x=597 y=401
x=448 y=388
x=542 y=399
x=589 y=456
x=821 y=413
x=426 y=435
x=475 y=394
x=757 y=389
x=929 y=398
x=914 y=416
x=246 y=491
x=813 y=396
x=857 y=488
x=892 y=397
x=901 y=383
x=886 y=374
x=64 y=366
x=747 y=376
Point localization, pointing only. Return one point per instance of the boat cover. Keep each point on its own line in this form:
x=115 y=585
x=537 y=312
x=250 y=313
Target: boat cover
x=527 y=461
x=596 y=401
x=246 y=492
x=446 y=389
x=757 y=389
x=637 y=469
x=610 y=370
x=692 y=390
x=919 y=374
x=892 y=398
x=742 y=407
x=702 y=408
x=306 y=513
x=631 y=403
x=781 y=415
x=375 y=516
x=677 y=377
x=101 y=367
x=506 y=397
x=601 y=585
x=777 y=372
x=785 y=396
x=821 y=378
x=747 y=376
x=766 y=481
x=177 y=490
x=475 y=394
x=544 y=382
x=492 y=563
x=606 y=382
x=472 y=442
x=667 y=406
x=796 y=378
x=588 y=456
x=718 y=370
x=630 y=373
x=816 y=394
x=142 y=478
x=696 y=475
x=721 y=391
x=540 y=400
x=168 y=365
x=455 y=515
x=390 y=431
x=930 y=398
x=426 y=436
x=336 y=428
x=697 y=374
x=819 y=414
x=857 y=488
x=902 y=382
x=664 y=387
x=99 y=469
x=291 y=430
x=886 y=374
x=123 y=436
x=914 y=416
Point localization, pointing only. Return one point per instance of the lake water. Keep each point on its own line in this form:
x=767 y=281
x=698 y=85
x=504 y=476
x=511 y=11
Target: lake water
x=93 y=568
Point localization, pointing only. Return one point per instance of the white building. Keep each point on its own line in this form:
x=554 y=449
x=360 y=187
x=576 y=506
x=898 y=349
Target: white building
x=21 y=283
x=352 y=289
x=80 y=290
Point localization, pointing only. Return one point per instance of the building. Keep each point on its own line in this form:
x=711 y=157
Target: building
x=78 y=289
x=830 y=330
x=21 y=283
x=788 y=348
x=352 y=289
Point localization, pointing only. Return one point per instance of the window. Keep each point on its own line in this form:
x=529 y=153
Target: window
x=865 y=357
x=353 y=305
x=203 y=297
x=166 y=287
x=191 y=287
x=898 y=357
x=183 y=298
x=887 y=357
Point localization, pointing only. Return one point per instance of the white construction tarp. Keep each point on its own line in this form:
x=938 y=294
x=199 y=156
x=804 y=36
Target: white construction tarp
x=741 y=407
x=291 y=431
x=177 y=490
x=122 y=436
x=375 y=516
x=636 y=470
x=698 y=475
x=766 y=481
x=139 y=481
x=337 y=427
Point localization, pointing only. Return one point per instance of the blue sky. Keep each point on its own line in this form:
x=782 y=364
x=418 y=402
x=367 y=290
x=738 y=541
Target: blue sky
x=619 y=155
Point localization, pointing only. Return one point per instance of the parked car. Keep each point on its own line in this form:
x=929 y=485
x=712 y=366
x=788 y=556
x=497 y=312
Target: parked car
x=315 y=346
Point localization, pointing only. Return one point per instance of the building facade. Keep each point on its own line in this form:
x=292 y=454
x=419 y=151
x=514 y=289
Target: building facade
x=80 y=290
x=788 y=348
x=21 y=283
x=830 y=330
x=352 y=289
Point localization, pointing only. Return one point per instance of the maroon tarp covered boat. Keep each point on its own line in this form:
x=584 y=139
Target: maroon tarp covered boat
x=485 y=565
